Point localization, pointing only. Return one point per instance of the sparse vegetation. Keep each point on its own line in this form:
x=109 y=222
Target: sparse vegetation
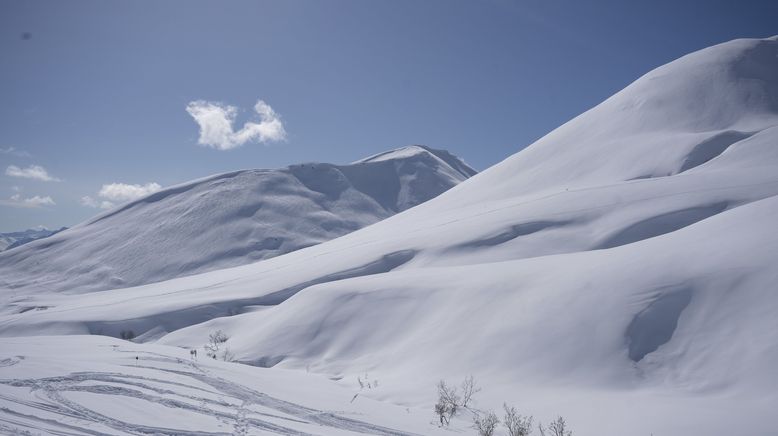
x=366 y=383
x=127 y=335
x=448 y=403
x=215 y=341
x=556 y=428
x=468 y=389
x=516 y=424
x=485 y=424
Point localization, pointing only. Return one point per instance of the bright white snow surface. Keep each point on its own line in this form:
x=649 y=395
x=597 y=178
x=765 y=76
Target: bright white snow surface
x=229 y=219
x=620 y=272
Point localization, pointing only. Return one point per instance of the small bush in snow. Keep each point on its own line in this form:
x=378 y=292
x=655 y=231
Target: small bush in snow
x=468 y=389
x=556 y=428
x=218 y=337
x=227 y=355
x=448 y=403
x=127 y=335
x=516 y=424
x=485 y=424
x=366 y=383
x=215 y=340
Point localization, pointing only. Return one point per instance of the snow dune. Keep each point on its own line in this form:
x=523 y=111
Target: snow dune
x=619 y=271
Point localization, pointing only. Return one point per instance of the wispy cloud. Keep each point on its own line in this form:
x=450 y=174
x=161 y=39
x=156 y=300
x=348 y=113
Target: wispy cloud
x=13 y=151
x=35 y=172
x=39 y=201
x=216 y=125
x=112 y=193
x=16 y=200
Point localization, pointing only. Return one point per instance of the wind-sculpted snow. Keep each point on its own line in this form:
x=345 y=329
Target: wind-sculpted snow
x=625 y=262
x=655 y=325
x=227 y=220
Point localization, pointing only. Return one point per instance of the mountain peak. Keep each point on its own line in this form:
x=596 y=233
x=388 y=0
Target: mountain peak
x=417 y=151
x=232 y=219
x=670 y=120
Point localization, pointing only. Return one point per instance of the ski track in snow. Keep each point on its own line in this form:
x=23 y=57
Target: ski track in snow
x=75 y=419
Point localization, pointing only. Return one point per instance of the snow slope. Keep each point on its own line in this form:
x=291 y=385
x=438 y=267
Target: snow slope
x=229 y=219
x=620 y=271
x=124 y=382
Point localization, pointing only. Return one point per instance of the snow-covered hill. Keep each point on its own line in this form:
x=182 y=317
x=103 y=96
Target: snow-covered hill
x=230 y=219
x=15 y=239
x=620 y=271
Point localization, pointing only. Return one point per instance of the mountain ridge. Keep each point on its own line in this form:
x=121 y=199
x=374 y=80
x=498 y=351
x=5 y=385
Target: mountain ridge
x=226 y=220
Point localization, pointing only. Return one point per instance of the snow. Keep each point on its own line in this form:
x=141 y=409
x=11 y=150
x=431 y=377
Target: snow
x=132 y=389
x=226 y=220
x=620 y=272
x=15 y=239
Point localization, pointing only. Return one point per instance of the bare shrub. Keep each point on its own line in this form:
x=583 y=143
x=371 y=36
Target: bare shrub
x=556 y=428
x=127 y=335
x=227 y=355
x=485 y=424
x=468 y=389
x=516 y=424
x=218 y=337
x=215 y=340
x=448 y=403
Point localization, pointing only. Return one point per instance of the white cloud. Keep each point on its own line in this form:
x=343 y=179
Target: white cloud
x=14 y=152
x=216 y=125
x=35 y=172
x=39 y=201
x=126 y=192
x=36 y=201
x=112 y=193
x=91 y=202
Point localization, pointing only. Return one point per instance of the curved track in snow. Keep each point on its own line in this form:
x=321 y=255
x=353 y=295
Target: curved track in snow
x=54 y=404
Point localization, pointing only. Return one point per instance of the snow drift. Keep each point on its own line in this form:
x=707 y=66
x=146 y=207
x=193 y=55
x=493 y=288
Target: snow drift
x=230 y=219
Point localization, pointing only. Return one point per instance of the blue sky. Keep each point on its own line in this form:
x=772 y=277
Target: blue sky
x=95 y=94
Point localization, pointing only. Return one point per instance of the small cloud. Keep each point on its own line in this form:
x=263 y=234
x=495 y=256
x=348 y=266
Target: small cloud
x=39 y=201
x=216 y=125
x=35 y=172
x=14 y=152
x=16 y=200
x=112 y=193
x=91 y=202
x=127 y=192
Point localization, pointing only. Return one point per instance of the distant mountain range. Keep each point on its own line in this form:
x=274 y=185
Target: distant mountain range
x=15 y=239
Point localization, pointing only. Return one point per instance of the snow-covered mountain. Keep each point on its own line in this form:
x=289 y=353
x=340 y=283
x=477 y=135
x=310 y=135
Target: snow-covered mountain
x=230 y=219
x=620 y=271
x=14 y=239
